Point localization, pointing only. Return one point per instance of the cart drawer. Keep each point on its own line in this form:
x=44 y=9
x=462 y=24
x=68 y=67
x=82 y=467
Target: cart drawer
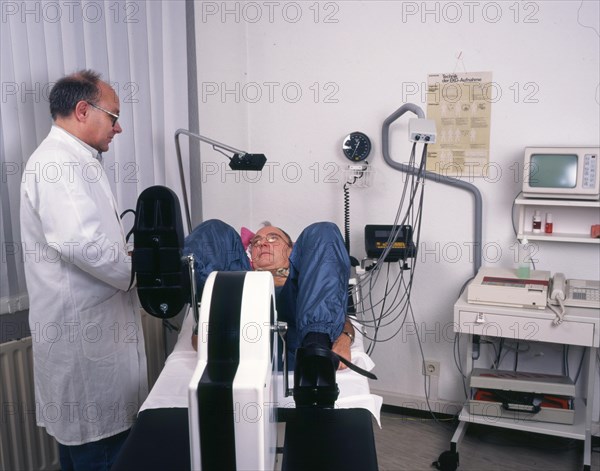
x=525 y=328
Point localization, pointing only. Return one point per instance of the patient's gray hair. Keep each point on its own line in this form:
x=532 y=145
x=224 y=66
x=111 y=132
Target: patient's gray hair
x=268 y=223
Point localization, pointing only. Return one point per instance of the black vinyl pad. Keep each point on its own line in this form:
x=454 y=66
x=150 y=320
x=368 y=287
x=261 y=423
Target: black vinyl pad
x=159 y=440
x=162 y=277
x=327 y=439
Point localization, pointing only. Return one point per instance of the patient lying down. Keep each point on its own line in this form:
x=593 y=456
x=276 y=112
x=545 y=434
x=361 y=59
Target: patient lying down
x=271 y=249
x=310 y=276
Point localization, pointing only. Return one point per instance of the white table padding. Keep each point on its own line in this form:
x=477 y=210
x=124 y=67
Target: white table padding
x=170 y=389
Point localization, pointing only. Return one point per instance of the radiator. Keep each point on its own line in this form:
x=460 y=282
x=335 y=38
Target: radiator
x=24 y=445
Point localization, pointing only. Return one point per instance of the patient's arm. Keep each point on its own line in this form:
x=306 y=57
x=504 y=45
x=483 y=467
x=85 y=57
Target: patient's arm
x=343 y=343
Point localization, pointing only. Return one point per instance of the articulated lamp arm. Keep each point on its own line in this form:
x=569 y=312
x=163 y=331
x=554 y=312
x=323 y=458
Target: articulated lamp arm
x=240 y=160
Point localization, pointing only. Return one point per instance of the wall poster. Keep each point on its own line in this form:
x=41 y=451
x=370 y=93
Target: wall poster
x=460 y=104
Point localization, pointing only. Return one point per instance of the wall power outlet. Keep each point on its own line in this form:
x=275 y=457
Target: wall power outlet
x=431 y=368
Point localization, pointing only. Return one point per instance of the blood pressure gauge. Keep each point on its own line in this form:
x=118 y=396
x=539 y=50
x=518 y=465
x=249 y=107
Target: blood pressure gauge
x=356 y=146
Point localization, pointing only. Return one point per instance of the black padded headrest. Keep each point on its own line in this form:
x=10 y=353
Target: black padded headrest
x=162 y=277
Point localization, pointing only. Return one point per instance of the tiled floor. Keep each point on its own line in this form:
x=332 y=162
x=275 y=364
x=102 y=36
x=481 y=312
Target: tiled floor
x=412 y=443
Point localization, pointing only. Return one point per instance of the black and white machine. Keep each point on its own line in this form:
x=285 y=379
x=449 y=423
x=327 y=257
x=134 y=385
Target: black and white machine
x=233 y=411
x=232 y=394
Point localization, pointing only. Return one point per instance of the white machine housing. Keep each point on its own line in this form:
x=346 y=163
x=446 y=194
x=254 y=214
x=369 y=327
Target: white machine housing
x=422 y=130
x=502 y=287
x=254 y=385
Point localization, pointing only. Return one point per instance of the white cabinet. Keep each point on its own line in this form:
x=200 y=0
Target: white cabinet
x=572 y=219
x=580 y=327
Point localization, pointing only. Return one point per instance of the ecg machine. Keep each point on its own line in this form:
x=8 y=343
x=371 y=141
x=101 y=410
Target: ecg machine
x=499 y=286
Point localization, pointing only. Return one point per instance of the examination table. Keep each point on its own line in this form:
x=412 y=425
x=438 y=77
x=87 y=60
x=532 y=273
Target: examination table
x=231 y=370
x=159 y=440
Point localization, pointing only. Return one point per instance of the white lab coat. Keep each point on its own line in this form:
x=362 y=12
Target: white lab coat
x=88 y=346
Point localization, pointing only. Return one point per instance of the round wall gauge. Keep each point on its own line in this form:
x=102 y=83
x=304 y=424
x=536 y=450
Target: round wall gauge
x=356 y=146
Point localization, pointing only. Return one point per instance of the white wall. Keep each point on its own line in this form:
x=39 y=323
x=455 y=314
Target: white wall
x=366 y=59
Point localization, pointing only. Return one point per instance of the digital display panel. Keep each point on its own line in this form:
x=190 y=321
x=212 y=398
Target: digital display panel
x=553 y=171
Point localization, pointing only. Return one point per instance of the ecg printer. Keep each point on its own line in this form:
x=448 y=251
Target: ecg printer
x=499 y=286
x=538 y=290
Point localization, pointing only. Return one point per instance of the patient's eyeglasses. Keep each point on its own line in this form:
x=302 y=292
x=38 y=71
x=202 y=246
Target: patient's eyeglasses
x=271 y=238
x=114 y=117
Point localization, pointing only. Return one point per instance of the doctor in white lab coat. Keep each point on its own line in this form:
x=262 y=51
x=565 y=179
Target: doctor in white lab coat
x=88 y=348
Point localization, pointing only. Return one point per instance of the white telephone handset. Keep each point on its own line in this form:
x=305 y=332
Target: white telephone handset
x=557 y=293
x=557 y=297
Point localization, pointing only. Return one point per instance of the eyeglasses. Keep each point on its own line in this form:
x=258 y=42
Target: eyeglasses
x=271 y=238
x=114 y=117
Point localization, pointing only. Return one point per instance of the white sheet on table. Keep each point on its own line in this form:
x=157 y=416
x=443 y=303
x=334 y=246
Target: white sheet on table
x=171 y=387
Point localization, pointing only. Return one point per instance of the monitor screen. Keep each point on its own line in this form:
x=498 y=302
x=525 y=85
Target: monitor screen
x=553 y=171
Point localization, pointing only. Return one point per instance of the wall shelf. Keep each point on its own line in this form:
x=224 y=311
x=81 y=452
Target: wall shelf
x=547 y=202
x=572 y=220
x=559 y=237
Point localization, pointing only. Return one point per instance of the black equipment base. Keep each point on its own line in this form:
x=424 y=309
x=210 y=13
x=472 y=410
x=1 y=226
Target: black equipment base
x=159 y=440
x=326 y=439
x=315 y=439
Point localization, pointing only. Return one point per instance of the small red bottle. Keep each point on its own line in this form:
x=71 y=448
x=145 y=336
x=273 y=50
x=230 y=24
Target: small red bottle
x=548 y=228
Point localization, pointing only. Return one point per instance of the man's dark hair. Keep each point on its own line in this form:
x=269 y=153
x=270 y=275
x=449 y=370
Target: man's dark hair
x=70 y=90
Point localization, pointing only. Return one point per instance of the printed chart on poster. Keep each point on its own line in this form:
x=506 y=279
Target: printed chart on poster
x=460 y=104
